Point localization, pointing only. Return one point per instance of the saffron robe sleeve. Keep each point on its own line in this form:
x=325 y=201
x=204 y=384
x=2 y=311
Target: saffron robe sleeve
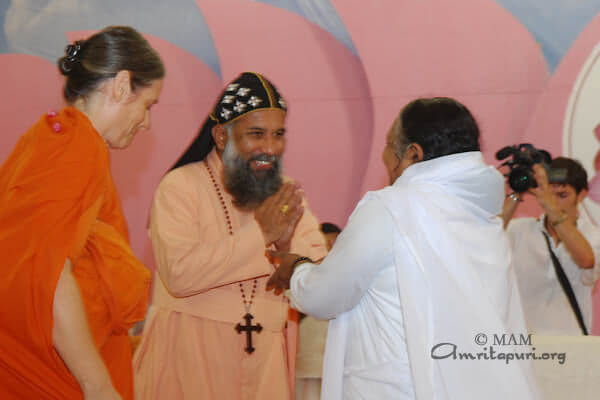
x=193 y=250
x=57 y=201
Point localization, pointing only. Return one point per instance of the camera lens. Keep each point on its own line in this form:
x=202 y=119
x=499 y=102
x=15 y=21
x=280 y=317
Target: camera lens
x=521 y=179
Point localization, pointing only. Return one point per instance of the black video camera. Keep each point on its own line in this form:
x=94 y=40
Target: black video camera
x=524 y=156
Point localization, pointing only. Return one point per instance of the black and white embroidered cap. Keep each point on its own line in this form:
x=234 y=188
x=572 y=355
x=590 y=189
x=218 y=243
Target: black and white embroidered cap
x=247 y=93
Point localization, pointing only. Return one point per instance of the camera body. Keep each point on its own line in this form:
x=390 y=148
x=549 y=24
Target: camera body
x=524 y=156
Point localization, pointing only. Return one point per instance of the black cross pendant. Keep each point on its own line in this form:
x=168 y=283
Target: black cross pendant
x=248 y=328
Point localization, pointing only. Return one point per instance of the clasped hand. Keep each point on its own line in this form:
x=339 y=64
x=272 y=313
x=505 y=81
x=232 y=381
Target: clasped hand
x=284 y=262
x=279 y=214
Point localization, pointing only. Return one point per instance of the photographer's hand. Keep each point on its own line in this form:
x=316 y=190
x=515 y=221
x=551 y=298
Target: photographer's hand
x=544 y=194
x=511 y=202
x=560 y=224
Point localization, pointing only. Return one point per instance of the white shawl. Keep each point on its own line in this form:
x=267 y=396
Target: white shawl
x=458 y=283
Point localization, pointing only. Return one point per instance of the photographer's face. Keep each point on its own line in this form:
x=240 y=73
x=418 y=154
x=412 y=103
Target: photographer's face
x=567 y=199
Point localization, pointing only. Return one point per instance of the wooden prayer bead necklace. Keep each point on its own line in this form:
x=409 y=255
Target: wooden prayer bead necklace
x=248 y=304
x=221 y=198
x=248 y=328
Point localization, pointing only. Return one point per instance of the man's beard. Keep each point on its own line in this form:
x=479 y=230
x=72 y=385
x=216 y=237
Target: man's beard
x=249 y=188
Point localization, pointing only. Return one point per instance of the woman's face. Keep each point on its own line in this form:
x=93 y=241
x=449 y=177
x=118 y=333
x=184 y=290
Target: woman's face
x=133 y=115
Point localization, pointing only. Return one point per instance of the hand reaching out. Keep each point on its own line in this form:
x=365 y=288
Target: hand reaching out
x=285 y=264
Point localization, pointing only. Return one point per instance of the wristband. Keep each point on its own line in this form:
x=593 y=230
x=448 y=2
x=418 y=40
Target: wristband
x=514 y=197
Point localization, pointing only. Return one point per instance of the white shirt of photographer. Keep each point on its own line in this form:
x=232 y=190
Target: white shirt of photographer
x=547 y=309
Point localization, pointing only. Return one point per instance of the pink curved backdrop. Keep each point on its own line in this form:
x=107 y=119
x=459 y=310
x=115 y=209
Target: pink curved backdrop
x=23 y=100
x=446 y=49
x=330 y=118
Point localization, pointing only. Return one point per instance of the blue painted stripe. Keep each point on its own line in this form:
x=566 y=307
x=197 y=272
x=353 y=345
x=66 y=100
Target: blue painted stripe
x=321 y=13
x=555 y=24
x=39 y=27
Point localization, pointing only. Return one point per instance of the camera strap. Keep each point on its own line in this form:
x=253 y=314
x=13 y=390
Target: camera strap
x=566 y=286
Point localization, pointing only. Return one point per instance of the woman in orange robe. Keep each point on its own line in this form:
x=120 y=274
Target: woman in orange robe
x=70 y=286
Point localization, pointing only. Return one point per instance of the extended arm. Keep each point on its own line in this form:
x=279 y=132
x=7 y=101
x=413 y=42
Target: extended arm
x=575 y=243
x=73 y=341
x=564 y=225
x=361 y=251
x=511 y=202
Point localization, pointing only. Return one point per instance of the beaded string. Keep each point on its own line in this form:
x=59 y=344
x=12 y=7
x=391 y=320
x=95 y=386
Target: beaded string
x=221 y=198
x=247 y=303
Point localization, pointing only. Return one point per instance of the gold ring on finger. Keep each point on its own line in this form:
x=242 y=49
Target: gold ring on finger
x=285 y=208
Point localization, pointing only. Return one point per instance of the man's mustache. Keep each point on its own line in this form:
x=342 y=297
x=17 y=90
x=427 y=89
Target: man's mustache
x=264 y=157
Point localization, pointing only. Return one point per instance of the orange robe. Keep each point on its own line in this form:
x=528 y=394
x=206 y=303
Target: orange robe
x=58 y=201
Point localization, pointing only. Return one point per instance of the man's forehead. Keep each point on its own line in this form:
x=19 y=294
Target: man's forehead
x=561 y=187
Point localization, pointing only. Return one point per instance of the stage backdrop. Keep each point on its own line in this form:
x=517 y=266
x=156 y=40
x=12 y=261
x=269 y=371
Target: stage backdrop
x=528 y=69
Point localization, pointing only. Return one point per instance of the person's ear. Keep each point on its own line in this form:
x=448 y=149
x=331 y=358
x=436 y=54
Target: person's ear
x=219 y=134
x=121 y=86
x=581 y=195
x=414 y=153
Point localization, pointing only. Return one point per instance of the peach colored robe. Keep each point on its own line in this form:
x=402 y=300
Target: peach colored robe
x=58 y=201
x=204 y=248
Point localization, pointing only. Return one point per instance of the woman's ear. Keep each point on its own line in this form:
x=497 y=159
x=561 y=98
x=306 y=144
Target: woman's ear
x=219 y=134
x=121 y=86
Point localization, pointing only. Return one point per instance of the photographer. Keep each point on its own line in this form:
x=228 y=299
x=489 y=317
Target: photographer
x=556 y=256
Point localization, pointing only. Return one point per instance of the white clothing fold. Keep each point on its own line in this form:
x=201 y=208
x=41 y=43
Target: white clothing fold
x=422 y=262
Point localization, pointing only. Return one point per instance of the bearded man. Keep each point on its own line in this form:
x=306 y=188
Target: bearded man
x=213 y=331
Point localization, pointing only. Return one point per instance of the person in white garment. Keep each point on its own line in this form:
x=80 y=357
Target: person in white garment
x=575 y=242
x=312 y=334
x=420 y=275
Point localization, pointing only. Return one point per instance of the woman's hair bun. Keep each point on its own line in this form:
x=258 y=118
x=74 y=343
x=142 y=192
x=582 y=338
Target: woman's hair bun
x=71 y=58
x=87 y=63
